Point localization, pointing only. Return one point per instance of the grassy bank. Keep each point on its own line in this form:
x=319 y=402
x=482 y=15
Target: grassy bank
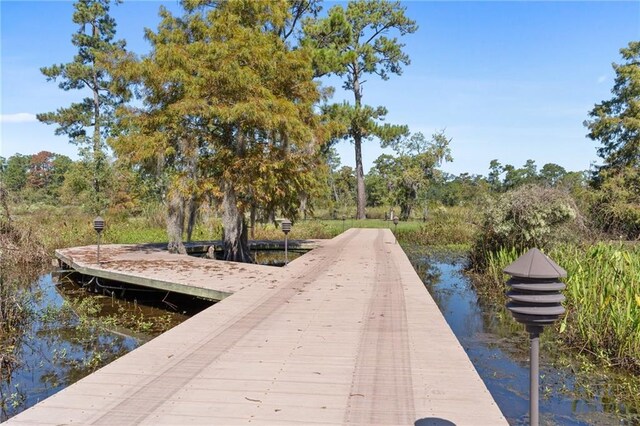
x=59 y=227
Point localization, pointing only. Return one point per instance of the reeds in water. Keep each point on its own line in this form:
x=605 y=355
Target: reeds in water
x=603 y=298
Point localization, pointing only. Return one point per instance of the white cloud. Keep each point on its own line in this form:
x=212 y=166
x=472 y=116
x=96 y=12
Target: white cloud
x=20 y=117
x=602 y=79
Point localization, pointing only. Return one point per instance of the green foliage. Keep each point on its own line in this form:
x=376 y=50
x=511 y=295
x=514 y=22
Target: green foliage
x=530 y=216
x=463 y=189
x=352 y=43
x=228 y=112
x=615 y=207
x=447 y=226
x=603 y=298
x=408 y=174
x=14 y=174
x=615 y=123
x=35 y=178
x=344 y=182
x=551 y=175
x=95 y=43
x=603 y=301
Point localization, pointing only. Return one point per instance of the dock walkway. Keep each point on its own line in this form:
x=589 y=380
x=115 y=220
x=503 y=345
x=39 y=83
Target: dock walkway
x=346 y=334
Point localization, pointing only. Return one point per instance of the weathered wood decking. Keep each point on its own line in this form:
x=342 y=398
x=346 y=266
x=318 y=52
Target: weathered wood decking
x=344 y=334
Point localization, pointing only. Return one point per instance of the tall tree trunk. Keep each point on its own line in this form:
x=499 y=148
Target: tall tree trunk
x=97 y=148
x=192 y=212
x=405 y=211
x=236 y=246
x=175 y=222
x=361 y=198
x=361 y=194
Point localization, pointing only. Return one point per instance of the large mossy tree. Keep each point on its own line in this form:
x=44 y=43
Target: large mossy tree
x=228 y=110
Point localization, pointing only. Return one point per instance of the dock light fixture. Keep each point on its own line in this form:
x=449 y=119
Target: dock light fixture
x=535 y=301
x=395 y=227
x=98 y=225
x=286 y=228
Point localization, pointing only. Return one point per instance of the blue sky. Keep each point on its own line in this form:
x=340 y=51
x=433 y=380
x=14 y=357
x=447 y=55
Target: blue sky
x=507 y=80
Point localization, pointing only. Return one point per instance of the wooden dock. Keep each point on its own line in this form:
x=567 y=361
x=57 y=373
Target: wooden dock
x=346 y=334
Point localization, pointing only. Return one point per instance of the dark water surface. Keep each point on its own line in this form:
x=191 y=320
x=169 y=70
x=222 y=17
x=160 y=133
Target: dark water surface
x=55 y=352
x=72 y=332
x=499 y=350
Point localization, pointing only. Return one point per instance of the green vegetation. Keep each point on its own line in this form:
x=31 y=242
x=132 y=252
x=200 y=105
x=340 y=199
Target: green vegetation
x=88 y=70
x=603 y=298
x=354 y=44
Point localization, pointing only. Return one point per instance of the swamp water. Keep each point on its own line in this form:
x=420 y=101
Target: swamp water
x=570 y=393
x=79 y=324
x=73 y=333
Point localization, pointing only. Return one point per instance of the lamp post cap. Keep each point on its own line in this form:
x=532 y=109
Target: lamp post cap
x=535 y=264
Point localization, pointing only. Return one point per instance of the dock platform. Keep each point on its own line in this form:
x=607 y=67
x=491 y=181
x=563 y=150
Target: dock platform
x=345 y=334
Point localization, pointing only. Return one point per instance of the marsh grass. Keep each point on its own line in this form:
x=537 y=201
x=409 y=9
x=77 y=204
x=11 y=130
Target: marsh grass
x=22 y=258
x=448 y=226
x=603 y=301
x=603 y=298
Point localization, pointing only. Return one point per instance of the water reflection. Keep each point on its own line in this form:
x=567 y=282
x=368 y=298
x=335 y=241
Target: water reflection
x=55 y=352
x=71 y=330
x=74 y=331
x=498 y=348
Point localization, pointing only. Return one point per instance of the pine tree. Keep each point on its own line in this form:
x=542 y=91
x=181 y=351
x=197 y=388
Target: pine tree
x=353 y=43
x=89 y=72
x=615 y=122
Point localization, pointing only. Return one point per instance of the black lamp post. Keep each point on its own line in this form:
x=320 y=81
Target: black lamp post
x=286 y=227
x=343 y=219
x=395 y=228
x=535 y=301
x=98 y=225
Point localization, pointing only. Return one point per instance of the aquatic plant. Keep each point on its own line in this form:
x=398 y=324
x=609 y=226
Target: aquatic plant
x=21 y=258
x=603 y=298
x=603 y=301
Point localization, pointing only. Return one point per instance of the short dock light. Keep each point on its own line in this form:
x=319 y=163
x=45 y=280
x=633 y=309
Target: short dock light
x=98 y=225
x=535 y=301
x=343 y=219
x=395 y=227
x=286 y=228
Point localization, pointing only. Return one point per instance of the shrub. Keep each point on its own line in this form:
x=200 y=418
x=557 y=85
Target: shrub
x=447 y=226
x=616 y=205
x=529 y=216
